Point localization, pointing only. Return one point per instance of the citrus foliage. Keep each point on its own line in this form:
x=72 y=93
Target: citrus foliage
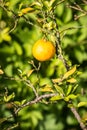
x=22 y=23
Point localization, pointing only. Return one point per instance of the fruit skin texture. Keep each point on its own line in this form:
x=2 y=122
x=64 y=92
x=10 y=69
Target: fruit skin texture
x=43 y=50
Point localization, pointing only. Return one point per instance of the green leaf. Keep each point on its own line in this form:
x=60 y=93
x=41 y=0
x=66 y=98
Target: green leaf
x=74 y=88
x=67 y=15
x=70 y=105
x=72 y=80
x=17 y=103
x=58 y=80
x=69 y=89
x=25 y=11
x=60 y=9
x=67 y=41
x=55 y=98
x=36 y=5
x=55 y=3
x=8 y=98
x=18 y=48
x=4 y=35
x=8 y=70
x=71 y=96
x=30 y=72
x=80 y=53
x=23 y=101
x=81 y=104
x=46 y=88
x=69 y=73
x=20 y=5
x=59 y=89
x=83 y=35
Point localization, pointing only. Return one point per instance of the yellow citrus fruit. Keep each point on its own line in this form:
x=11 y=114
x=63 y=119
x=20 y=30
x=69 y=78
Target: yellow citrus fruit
x=43 y=50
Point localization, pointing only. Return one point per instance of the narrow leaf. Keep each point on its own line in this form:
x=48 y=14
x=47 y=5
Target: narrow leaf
x=81 y=104
x=59 y=89
x=71 y=96
x=69 y=73
x=58 y=80
x=17 y=103
x=69 y=89
x=23 y=101
x=25 y=11
x=30 y=72
x=72 y=80
x=55 y=98
x=8 y=98
x=74 y=88
x=70 y=105
x=47 y=88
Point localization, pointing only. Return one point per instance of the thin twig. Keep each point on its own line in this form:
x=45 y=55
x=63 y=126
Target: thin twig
x=36 y=100
x=28 y=21
x=78 y=8
x=8 y=10
x=15 y=25
x=12 y=127
x=28 y=83
x=74 y=27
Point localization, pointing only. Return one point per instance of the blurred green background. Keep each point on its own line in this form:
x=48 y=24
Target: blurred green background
x=15 y=53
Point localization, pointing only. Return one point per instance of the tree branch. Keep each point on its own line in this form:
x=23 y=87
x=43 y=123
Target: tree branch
x=77 y=116
x=36 y=100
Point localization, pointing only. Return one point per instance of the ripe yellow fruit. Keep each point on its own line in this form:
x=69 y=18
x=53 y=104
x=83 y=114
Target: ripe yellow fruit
x=43 y=50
